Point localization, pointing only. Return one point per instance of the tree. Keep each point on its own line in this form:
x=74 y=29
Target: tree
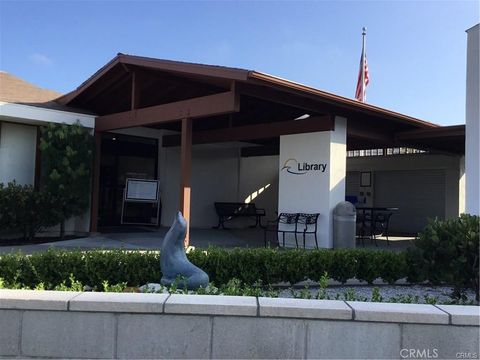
x=66 y=168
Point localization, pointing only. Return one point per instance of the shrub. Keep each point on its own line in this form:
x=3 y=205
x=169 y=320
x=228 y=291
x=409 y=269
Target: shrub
x=447 y=251
x=24 y=209
x=249 y=266
x=66 y=160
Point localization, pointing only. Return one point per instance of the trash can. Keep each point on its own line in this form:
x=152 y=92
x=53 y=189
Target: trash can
x=344 y=225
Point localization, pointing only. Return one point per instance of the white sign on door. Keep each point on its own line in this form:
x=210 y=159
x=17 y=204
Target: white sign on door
x=141 y=190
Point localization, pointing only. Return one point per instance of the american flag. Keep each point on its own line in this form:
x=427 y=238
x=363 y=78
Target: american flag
x=360 y=93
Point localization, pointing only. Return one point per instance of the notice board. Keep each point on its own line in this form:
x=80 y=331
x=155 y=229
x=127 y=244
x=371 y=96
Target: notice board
x=141 y=190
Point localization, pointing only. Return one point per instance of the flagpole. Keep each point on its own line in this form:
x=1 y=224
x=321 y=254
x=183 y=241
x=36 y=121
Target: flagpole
x=364 y=33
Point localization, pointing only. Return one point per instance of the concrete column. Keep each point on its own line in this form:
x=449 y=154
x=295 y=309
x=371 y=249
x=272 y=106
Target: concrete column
x=461 y=186
x=472 y=112
x=312 y=168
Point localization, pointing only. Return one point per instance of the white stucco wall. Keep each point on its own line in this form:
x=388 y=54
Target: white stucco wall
x=259 y=181
x=472 y=112
x=17 y=153
x=219 y=174
x=214 y=177
x=18 y=141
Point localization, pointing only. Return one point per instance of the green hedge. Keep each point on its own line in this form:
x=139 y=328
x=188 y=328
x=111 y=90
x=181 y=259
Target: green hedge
x=26 y=210
x=247 y=265
x=448 y=251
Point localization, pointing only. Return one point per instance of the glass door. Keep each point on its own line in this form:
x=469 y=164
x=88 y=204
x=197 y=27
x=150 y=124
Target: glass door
x=122 y=157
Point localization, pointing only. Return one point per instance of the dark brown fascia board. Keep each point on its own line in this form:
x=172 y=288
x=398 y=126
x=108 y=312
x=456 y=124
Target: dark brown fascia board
x=65 y=99
x=257 y=131
x=159 y=64
x=440 y=132
x=186 y=67
x=337 y=100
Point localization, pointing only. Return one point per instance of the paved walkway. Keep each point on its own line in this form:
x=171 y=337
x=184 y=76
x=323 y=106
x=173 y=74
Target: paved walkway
x=148 y=239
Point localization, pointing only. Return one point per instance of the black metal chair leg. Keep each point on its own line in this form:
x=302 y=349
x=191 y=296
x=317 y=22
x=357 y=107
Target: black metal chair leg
x=316 y=241
x=219 y=224
x=283 y=236
x=260 y=223
x=296 y=241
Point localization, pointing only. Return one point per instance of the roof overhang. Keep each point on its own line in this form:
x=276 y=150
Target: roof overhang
x=34 y=115
x=112 y=92
x=450 y=139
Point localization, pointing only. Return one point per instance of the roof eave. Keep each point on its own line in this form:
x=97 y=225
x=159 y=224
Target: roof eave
x=158 y=64
x=352 y=104
x=67 y=98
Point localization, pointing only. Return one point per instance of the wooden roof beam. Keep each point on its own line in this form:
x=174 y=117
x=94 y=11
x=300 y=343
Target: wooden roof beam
x=284 y=98
x=436 y=133
x=356 y=131
x=259 y=131
x=205 y=106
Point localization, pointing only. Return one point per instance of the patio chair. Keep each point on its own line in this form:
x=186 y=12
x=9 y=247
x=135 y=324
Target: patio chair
x=364 y=226
x=311 y=224
x=287 y=219
x=381 y=222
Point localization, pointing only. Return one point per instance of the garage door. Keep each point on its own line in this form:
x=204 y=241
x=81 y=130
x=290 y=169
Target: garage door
x=419 y=195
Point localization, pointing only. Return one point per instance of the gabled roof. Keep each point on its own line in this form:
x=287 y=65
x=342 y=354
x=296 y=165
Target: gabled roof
x=244 y=76
x=159 y=64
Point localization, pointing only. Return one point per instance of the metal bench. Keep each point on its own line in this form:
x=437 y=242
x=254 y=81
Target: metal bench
x=293 y=223
x=229 y=210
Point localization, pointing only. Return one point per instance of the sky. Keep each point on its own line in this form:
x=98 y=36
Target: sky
x=416 y=50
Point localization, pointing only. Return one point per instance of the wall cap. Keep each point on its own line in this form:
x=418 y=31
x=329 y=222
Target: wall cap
x=304 y=308
x=211 y=305
x=400 y=313
x=462 y=315
x=119 y=302
x=35 y=300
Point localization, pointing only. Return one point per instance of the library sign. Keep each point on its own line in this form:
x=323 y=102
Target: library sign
x=292 y=166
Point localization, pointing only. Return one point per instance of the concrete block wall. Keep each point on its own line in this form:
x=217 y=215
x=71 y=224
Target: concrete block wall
x=39 y=324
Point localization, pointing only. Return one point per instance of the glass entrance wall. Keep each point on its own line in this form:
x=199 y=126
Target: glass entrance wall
x=122 y=157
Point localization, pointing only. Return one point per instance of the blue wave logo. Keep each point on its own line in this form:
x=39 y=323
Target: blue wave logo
x=291 y=165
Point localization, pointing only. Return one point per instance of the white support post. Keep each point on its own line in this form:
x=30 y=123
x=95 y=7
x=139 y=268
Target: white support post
x=472 y=132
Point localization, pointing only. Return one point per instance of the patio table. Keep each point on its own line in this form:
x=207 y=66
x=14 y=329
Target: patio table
x=367 y=222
